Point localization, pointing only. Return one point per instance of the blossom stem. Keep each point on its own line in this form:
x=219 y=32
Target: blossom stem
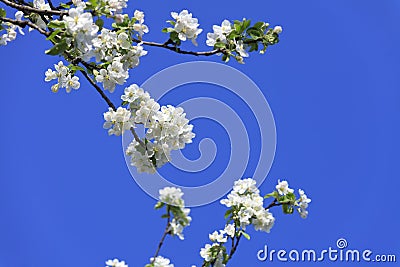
x=166 y=232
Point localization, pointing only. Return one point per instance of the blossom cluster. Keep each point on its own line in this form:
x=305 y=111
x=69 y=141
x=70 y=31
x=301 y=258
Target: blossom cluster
x=172 y=197
x=117 y=121
x=64 y=78
x=185 y=27
x=239 y=38
x=167 y=129
x=246 y=206
x=112 y=49
x=285 y=195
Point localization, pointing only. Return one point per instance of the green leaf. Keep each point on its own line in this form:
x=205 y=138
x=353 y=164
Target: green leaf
x=3 y=13
x=75 y=68
x=164 y=216
x=273 y=194
x=58 y=48
x=159 y=205
x=259 y=25
x=246 y=24
x=125 y=103
x=228 y=213
x=246 y=235
x=219 y=45
x=65 y=6
x=54 y=24
x=99 y=23
x=254 y=32
x=53 y=34
x=164 y=30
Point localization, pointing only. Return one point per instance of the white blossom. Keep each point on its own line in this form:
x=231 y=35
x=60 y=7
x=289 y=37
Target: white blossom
x=19 y=15
x=218 y=237
x=186 y=26
x=263 y=221
x=81 y=26
x=247 y=204
x=303 y=204
x=171 y=196
x=139 y=26
x=277 y=29
x=116 y=6
x=114 y=74
x=160 y=261
x=283 y=188
x=219 y=34
x=240 y=48
x=230 y=230
x=167 y=129
x=63 y=77
x=116 y=263
x=117 y=121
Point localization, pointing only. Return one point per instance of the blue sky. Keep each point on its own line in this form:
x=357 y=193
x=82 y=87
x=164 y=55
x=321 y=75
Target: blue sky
x=67 y=197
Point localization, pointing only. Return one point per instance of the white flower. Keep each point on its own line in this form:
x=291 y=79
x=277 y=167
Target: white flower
x=116 y=263
x=41 y=4
x=264 y=221
x=117 y=121
x=218 y=237
x=303 y=204
x=123 y=40
x=247 y=204
x=115 y=74
x=186 y=26
x=80 y=25
x=160 y=261
x=283 y=188
x=18 y=16
x=277 y=29
x=230 y=230
x=64 y=78
x=141 y=157
x=139 y=26
x=116 y=6
x=171 y=196
x=72 y=82
x=219 y=34
x=205 y=252
x=240 y=48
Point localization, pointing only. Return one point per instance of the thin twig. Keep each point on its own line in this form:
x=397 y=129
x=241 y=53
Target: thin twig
x=178 y=50
x=166 y=232
x=233 y=250
x=32 y=9
x=98 y=89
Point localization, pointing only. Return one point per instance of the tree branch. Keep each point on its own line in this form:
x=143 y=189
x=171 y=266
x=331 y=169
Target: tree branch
x=24 y=23
x=32 y=9
x=178 y=50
